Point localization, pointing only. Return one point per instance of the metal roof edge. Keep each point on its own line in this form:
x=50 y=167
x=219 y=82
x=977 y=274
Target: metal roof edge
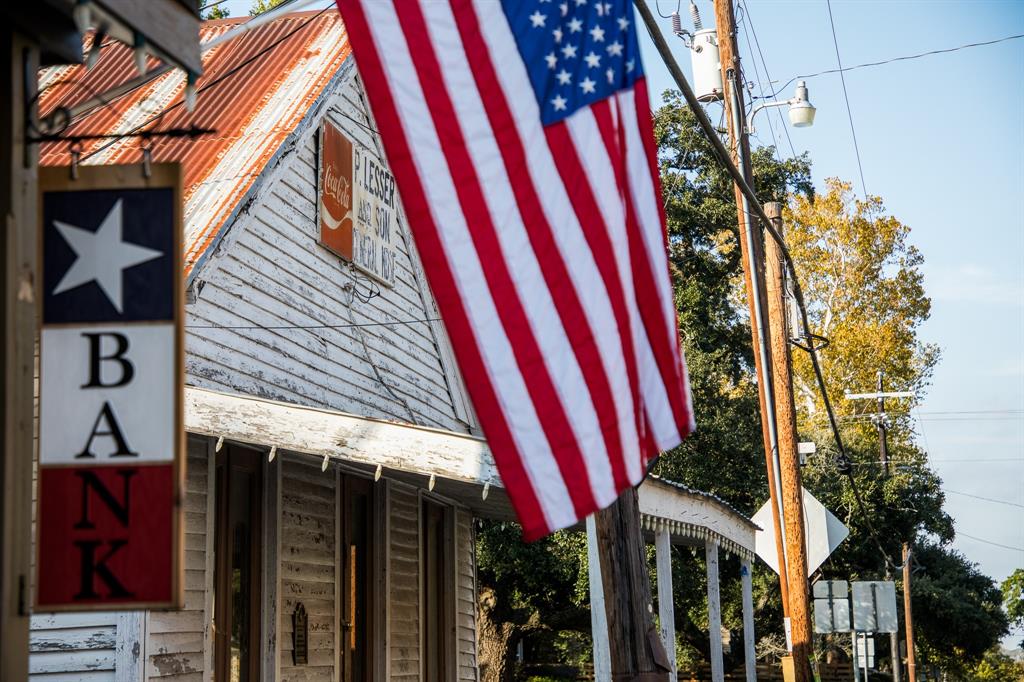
x=711 y=497
x=289 y=143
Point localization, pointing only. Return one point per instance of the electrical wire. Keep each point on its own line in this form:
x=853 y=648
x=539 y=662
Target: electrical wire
x=901 y=58
x=986 y=499
x=989 y=542
x=846 y=96
x=278 y=327
x=767 y=76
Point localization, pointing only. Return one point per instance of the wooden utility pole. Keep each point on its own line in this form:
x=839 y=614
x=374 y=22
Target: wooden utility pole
x=752 y=252
x=637 y=654
x=908 y=619
x=789 y=459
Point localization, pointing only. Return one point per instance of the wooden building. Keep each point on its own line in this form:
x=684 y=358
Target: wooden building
x=334 y=465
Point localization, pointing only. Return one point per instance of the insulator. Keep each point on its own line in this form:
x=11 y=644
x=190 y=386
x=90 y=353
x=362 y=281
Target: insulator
x=695 y=15
x=677 y=23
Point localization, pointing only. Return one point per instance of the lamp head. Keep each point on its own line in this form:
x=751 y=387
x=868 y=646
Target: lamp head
x=801 y=111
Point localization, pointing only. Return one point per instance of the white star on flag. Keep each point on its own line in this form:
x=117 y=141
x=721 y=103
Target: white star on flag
x=615 y=49
x=575 y=26
x=564 y=77
x=593 y=61
x=559 y=102
x=537 y=19
x=587 y=85
x=598 y=34
x=552 y=60
x=569 y=51
x=102 y=256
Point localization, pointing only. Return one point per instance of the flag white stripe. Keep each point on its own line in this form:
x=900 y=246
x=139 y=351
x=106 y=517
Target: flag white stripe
x=590 y=286
x=545 y=324
x=460 y=252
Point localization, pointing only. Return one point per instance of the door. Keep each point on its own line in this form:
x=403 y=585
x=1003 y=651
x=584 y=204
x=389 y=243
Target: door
x=437 y=598
x=237 y=596
x=357 y=573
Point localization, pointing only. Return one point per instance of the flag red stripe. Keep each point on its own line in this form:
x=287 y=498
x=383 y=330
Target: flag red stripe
x=562 y=287
x=647 y=295
x=478 y=380
x=545 y=397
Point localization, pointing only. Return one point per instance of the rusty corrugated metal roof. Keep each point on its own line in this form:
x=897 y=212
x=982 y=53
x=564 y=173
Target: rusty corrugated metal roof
x=254 y=91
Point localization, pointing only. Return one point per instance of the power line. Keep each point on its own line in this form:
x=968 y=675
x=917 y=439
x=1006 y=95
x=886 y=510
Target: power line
x=897 y=59
x=768 y=77
x=846 y=96
x=986 y=499
x=989 y=542
x=312 y=326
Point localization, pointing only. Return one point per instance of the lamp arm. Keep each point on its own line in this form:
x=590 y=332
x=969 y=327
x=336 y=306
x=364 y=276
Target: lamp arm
x=764 y=105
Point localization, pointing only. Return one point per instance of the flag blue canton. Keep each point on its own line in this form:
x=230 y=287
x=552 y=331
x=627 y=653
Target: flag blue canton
x=577 y=52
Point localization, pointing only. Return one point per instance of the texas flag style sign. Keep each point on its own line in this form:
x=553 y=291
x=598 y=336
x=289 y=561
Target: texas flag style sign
x=110 y=415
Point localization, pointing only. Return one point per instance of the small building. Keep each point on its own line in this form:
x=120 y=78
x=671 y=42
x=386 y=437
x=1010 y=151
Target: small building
x=334 y=463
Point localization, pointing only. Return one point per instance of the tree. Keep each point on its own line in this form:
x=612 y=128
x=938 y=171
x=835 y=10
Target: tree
x=958 y=612
x=217 y=12
x=996 y=667
x=1013 y=599
x=261 y=6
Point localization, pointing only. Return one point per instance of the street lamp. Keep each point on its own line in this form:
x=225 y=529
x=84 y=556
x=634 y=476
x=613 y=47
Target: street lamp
x=801 y=111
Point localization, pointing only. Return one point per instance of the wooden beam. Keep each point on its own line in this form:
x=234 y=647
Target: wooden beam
x=319 y=432
x=714 y=612
x=598 y=621
x=665 y=500
x=749 y=652
x=636 y=650
x=666 y=598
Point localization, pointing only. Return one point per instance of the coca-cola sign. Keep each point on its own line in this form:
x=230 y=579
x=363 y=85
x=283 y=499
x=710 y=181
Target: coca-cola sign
x=356 y=205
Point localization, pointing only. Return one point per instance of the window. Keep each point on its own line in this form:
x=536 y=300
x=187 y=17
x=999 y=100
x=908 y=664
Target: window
x=437 y=572
x=357 y=579
x=239 y=497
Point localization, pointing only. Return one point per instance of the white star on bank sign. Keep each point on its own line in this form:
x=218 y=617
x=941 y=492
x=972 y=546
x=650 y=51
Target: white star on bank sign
x=101 y=256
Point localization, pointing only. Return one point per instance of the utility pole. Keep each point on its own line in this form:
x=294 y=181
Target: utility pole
x=789 y=458
x=881 y=423
x=637 y=653
x=908 y=619
x=753 y=271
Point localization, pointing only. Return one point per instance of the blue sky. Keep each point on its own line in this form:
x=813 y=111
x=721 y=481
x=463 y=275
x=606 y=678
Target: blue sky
x=942 y=142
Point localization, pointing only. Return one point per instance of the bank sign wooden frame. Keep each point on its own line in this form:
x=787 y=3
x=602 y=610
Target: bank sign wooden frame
x=109 y=520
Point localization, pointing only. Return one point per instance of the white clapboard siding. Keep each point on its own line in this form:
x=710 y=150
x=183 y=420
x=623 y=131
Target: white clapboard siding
x=175 y=639
x=404 y=600
x=307 y=566
x=465 y=595
x=269 y=271
x=73 y=646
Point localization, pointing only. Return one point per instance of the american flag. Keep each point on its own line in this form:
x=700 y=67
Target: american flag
x=521 y=140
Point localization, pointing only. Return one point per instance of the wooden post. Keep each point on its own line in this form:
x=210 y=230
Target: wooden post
x=714 y=612
x=789 y=459
x=598 y=620
x=749 y=651
x=908 y=619
x=18 y=189
x=728 y=52
x=636 y=650
x=666 y=598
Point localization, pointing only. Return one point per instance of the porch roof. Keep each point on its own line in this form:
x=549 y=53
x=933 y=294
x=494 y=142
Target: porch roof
x=461 y=464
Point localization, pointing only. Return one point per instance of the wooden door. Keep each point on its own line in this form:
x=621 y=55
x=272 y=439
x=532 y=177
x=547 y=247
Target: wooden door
x=239 y=552
x=357 y=572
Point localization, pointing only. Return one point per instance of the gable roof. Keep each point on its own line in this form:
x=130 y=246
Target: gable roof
x=254 y=91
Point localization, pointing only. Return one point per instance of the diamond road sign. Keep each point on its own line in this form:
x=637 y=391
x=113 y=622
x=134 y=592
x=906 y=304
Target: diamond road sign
x=111 y=372
x=822 y=530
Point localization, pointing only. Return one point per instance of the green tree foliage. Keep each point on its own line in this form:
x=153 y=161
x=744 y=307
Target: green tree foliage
x=261 y=6
x=996 y=667
x=958 y=612
x=216 y=12
x=1013 y=599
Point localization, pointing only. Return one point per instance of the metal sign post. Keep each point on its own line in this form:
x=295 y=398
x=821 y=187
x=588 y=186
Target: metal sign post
x=111 y=466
